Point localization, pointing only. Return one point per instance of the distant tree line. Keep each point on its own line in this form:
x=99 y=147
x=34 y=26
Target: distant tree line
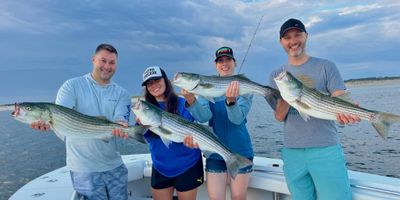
x=373 y=79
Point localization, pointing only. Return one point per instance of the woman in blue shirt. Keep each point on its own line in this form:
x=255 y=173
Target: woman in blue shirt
x=177 y=166
x=227 y=116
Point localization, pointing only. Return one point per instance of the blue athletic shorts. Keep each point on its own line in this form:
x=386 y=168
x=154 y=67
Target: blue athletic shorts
x=312 y=172
x=219 y=166
x=111 y=185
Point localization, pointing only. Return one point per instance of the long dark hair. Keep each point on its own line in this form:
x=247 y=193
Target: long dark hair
x=171 y=99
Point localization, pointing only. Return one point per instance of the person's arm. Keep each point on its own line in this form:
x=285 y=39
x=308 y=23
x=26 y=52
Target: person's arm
x=121 y=114
x=237 y=107
x=282 y=109
x=199 y=108
x=342 y=118
x=337 y=88
x=237 y=113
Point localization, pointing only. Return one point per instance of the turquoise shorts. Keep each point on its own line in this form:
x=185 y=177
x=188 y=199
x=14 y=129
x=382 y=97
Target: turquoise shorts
x=111 y=185
x=312 y=172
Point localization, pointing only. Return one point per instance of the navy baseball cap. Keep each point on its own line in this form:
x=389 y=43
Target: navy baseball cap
x=291 y=24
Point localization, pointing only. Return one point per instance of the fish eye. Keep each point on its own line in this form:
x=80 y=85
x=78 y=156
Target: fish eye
x=28 y=108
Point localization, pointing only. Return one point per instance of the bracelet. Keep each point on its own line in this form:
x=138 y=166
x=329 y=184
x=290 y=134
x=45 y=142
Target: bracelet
x=230 y=103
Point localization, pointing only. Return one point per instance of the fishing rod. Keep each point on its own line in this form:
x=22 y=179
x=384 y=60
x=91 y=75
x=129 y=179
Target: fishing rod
x=251 y=41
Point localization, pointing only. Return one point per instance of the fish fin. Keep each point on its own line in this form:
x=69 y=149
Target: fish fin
x=101 y=117
x=271 y=95
x=383 y=121
x=304 y=116
x=137 y=133
x=242 y=76
x=166 y=141
x=346 y=97
x=106 y=139
x=236 y=162
x=303 y=105
x=206 y=85
x=162 y=131
x=210 y=99
x=207 y=154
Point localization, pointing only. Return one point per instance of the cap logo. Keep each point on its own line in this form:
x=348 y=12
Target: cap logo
x=149 y=72
x=224 y=51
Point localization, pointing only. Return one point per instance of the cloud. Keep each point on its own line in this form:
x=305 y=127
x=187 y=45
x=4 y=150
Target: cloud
x=358 y=9
x=184 y=34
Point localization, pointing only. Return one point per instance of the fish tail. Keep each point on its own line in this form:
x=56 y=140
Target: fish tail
x=271 y=95
x=383 y=121
x=236 y=162
x=137 y=132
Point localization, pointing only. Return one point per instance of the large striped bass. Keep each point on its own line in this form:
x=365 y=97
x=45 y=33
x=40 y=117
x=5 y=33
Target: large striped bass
x=171 y=127
x=216 y=86
x=68 y=122
x=310 y=102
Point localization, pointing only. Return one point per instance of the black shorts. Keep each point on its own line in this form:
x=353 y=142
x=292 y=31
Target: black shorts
x=188 y=180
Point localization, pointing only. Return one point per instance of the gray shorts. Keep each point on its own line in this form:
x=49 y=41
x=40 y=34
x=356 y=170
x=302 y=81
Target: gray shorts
x=101 y=185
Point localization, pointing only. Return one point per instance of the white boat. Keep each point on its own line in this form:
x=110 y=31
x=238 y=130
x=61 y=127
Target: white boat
x=267 y=182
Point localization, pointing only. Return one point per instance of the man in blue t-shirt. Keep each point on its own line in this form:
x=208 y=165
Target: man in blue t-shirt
x=314 y=163
x=96 y=167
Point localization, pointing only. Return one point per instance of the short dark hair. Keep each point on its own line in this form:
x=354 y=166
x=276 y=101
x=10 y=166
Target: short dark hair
x=107 y=47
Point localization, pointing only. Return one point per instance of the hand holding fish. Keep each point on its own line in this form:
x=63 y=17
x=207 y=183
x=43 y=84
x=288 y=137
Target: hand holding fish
x=119 y=132
x=188 y=141
x=40 y=125
x=344 y=119
x=189 y=97
x=232 y=92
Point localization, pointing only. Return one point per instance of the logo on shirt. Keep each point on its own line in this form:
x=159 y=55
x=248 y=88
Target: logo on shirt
x=128 y=113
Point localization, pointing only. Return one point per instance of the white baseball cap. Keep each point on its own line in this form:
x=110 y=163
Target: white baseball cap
x=152 y=73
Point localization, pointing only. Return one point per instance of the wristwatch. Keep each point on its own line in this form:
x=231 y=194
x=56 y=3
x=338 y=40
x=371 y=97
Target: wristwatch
x=230 y=103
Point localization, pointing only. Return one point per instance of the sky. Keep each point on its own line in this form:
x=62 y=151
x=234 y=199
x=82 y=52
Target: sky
x=45 y=42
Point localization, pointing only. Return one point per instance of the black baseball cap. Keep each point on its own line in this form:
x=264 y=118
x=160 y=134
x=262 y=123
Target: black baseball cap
x=291 y=24
x=224 y=51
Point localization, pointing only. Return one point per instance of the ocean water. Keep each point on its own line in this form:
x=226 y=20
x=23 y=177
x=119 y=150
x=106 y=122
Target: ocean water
x=26 y=154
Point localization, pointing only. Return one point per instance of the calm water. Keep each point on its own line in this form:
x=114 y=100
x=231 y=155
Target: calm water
x=26 y=154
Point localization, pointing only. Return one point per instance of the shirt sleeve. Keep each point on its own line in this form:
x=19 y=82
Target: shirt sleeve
x=183 y=112
x=123 y=108
x=200 y=110
x=237 y=113
x=334 y=79
x=66 y=95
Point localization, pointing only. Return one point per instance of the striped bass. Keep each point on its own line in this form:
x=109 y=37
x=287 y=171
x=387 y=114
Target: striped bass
x=171 y=127
x=68 y=122
x=310 y=102
x=216 y=86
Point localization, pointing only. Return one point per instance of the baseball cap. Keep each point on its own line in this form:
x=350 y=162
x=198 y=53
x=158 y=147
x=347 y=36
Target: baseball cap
x=152 y=73
x=224 y=51
x=291 y=24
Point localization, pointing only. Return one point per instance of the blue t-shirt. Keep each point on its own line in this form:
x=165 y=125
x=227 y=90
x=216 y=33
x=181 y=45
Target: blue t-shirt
x=324 y=76
x=228 y=122
x=86 y=96
x=177 y=158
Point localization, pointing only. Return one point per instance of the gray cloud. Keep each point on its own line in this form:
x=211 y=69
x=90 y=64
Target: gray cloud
x=183 y=35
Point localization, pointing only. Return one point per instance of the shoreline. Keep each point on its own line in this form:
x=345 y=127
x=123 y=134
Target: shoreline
x=361 y=83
